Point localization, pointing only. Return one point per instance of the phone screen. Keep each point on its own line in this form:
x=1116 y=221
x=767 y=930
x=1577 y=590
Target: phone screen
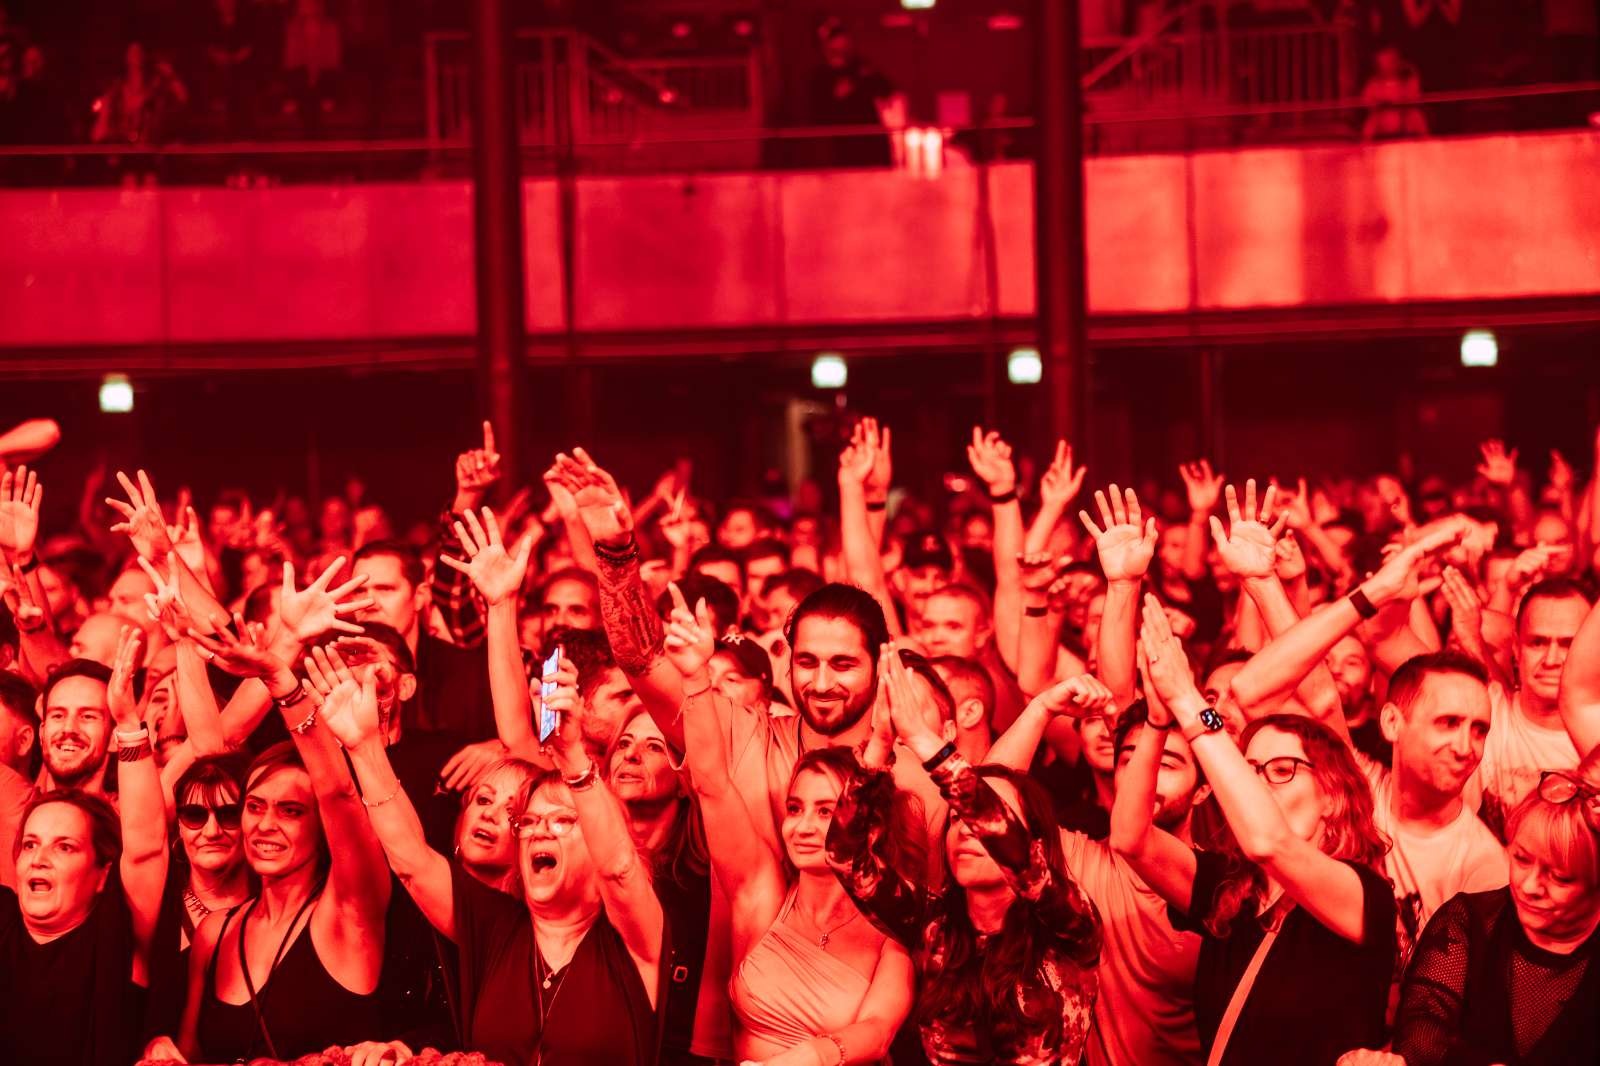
x=548 y=719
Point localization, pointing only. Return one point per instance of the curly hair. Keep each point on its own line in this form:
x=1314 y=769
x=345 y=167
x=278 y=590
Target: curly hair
x=1348 y=832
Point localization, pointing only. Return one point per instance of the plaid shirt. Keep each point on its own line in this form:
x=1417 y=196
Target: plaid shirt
x=460 y=605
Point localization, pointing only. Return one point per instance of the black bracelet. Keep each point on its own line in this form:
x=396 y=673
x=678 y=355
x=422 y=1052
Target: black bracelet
x=1032 y=611
x=1363 y=606
x=939 y=756
x=625 y=554
x=1003 y=498
x=877 y=505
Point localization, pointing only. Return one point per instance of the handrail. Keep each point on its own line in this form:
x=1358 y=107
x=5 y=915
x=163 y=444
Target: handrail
x=1136 y=44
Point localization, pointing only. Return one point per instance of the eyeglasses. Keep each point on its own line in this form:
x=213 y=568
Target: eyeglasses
x=1558 y=787
x=558 y=824
x=195 y=815
x=1281 y=771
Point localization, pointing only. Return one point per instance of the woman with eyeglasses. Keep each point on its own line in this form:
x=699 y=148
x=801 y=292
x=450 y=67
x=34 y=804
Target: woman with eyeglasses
x=1297 y=922
x=1513 y=976
x=570 y=972
x=207 y=874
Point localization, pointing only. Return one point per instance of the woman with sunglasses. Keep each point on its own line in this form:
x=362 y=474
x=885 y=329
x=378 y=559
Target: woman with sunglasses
x=1513 y=976
x=1297 y=922
x=571 y=972
x=207 y=874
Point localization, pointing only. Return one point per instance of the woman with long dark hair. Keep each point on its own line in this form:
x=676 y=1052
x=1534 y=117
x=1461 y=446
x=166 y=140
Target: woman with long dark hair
x=294 y=970
x=1006 y=949
x=1296 y=919
x=813 y=981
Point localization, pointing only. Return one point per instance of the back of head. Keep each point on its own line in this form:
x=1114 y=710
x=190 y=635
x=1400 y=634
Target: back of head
x=847 y=602
x=967 y=680
x=18 y=699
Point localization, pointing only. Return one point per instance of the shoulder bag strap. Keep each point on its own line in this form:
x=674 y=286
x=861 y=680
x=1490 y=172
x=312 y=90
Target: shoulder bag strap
x=1241 y=992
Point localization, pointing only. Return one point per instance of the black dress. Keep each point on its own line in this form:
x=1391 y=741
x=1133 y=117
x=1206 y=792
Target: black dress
x=303 y=1008
x=72 y=1001
x=596 y=1010
x=686 y=904
x=1317 y=996
x=1479 y=992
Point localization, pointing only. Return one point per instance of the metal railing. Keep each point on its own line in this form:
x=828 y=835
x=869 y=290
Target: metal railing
x=572 y=89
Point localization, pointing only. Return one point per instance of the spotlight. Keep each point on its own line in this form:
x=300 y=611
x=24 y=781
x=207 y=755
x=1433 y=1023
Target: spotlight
x=1024 y=367
x=116 y=394
x=917 y=5
x=1479 y=348
x=828 y=371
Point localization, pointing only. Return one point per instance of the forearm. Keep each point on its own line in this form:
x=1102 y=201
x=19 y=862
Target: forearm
x=1133 y=803
x=202 y=720
x=1017 y=746
x=582 y=545
x=1331 y=554
x=634 y=631
x=1253 y=815
x=1194 y=549
x=705 y=753
x=1008 y=579
x=1289 y=657
x=423 y=872
x=28 y=440
x=508 y=685
x=1316 y=688
x=1117 y=641
x=1579 y=699
x=1036 y=644
x=856 y=836
x=1043 y=525
x=204 y=608
x=40 y=651
x=862 y=561
x=141 y=810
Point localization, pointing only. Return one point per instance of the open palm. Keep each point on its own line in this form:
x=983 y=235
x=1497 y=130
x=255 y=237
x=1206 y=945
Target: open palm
x=19 y=510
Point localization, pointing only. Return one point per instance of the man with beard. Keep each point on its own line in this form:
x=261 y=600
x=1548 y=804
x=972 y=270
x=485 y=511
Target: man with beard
x=1351 y=666
x=75 y=727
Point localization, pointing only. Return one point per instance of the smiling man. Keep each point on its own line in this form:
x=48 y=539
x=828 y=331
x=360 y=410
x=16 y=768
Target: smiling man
x=75 y=727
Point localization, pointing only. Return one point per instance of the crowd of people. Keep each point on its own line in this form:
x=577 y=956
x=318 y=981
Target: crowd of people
x=1213 y=772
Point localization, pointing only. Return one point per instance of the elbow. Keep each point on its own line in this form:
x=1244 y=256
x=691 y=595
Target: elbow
x=1263 y=846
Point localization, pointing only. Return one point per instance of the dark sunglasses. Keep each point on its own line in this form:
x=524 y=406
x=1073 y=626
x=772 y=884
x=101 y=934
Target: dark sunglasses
x=195 y=815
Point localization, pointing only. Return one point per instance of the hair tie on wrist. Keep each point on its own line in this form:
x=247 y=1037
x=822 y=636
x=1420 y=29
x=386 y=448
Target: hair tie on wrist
x=1003 y=498
x=1035 y=611
x=877 y=505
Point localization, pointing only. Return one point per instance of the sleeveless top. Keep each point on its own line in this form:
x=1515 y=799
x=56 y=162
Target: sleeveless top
x=788 y=990
x=596 y=1010
x=304 y=1008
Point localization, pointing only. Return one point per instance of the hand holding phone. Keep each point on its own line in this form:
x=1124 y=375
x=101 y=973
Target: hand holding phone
x=548 y=720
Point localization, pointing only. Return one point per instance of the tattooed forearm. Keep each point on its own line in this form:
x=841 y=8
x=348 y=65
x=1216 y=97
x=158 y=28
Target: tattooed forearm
x=632 y=625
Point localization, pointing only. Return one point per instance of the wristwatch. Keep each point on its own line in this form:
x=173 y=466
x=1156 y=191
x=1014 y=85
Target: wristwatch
x=1210 y=722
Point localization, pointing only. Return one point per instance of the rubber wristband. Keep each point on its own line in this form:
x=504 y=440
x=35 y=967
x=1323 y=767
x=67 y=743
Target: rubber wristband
x=877 y=505
x=1364 y=607
x=1035 y=611
x=139 y=751
x=939 y=756
x=1003 y=498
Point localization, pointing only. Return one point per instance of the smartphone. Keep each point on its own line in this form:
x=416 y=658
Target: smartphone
x=548 y=719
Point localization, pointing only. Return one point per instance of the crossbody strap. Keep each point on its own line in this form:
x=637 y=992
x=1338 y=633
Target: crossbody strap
x=1241 y=992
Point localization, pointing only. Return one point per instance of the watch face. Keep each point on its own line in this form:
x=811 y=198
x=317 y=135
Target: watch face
x=1211 y=719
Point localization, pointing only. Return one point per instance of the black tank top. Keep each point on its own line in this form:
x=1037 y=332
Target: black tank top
x=303 y=1007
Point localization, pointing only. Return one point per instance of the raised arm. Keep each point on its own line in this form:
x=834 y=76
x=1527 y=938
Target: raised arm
x=497 y=576
x=1327 y=888
x=423 y=872
x=1125 y=553
x=1054 y=708
x=632 y=906
x=631 y=623
x=1203 y=487
x=140 y=808
x=1164 y=862
x=743 y=861
x=990 y=458
x=1579 y=700
x=147 y=528
x=477 y=469
x=26 y=441
x=197 y=703
x=863 y=560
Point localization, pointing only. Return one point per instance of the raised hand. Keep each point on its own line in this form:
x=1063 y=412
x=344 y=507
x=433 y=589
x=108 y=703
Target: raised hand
x=185 y=536
x=1076 y=697
x=20 y=494
x=858 y=460
x=1562 y=479
x=119 y=693
x=350 y=709
x=166 y=604
x=1400 y=575
x=1536 y=563
x=882 y=475
x=1202 y=485
x=1466 y=609
x=991 y=461
x=1166 y=666
x=1125 y=551
x=1291 y=564
x=141 y=515
x=1296 y=506
x=495 y=573
x=594 y=494
x=690 y=636
x=1499 y=467
x=247 y=655
x=1249 y=547
x=1061 y=481
x=1040 y=570
x=911 y=706
x=478 y=468
x=28 y=614
x=315 y=609
x=566 y=743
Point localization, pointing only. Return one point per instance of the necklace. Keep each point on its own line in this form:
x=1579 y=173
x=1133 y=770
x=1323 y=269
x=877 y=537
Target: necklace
x=195 y=904
x=827 y=934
